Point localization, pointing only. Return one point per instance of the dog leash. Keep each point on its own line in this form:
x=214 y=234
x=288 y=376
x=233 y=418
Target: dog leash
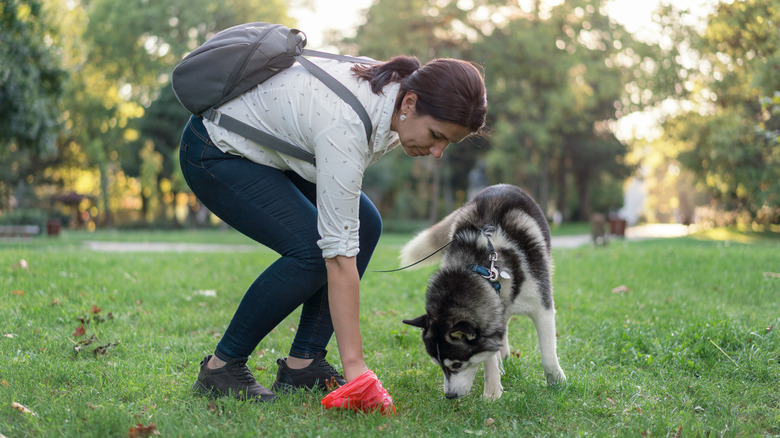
x=415 y=263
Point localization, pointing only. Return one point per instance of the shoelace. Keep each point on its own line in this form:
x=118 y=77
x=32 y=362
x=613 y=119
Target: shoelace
x=325 y=366
x=241 y=372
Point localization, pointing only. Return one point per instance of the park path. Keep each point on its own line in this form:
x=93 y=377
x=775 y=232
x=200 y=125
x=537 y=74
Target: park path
x=654 y=231
x=639 y=232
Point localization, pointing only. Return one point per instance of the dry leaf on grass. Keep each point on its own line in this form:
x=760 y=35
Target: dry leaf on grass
x=771 y=275
x=95 y=309
x=80 y=330
x=332 y=384
x=142 y=431
x=622 y=289
x=18 y=293
x=21 y=408
x=103 y=348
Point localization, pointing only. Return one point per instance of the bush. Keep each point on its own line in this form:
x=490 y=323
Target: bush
x=24 y=216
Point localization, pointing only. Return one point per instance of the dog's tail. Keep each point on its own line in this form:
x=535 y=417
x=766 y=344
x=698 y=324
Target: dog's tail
x=428 y=241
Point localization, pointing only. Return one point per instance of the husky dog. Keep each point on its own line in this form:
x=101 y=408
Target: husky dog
x=497 y=265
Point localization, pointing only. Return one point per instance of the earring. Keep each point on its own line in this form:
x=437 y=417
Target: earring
x=403 y=117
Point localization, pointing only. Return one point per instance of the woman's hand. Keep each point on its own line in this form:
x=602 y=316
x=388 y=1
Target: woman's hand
x=344 y=299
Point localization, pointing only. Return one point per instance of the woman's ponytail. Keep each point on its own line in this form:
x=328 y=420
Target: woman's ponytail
x=394 y=70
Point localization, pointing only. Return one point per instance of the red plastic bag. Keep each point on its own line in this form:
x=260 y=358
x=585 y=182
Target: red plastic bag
x=365 y=393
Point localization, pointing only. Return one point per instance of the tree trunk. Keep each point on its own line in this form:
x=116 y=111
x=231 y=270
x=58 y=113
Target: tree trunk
x=543 y=196
x=562 y=187
x=435 y=192
x=108 y=219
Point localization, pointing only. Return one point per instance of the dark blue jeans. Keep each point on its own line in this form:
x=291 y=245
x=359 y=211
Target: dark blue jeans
x=277 y=209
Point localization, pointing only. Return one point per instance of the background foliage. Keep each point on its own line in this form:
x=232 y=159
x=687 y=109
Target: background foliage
x=87 y=106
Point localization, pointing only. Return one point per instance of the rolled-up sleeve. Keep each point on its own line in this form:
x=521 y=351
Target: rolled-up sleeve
x=340 y=167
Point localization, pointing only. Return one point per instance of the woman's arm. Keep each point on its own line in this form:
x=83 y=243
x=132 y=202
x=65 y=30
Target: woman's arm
x=344 y=299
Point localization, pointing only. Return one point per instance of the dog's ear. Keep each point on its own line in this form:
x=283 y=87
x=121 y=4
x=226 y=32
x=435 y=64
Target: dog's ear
x=421 y=321
x=463 y=331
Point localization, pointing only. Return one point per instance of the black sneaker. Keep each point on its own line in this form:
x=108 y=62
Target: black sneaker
x=313 y=376
x=234 y=379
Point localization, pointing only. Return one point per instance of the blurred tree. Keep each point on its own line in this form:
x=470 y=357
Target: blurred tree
x=121 y=64
x=725 y=133
x=557 y=76
x=30 y=88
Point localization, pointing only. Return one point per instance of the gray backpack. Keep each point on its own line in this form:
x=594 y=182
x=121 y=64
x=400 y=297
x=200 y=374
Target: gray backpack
x=236 y=60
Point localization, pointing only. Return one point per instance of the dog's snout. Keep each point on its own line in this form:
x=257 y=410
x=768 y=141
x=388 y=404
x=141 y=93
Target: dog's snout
x=451 y=395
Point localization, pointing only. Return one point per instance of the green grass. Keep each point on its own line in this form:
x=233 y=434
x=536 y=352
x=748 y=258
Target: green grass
x=692 y=346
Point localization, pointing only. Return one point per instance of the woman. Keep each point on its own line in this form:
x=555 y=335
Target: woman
x=316 y=218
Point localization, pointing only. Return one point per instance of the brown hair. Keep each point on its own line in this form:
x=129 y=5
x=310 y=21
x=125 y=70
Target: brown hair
x=448 y=89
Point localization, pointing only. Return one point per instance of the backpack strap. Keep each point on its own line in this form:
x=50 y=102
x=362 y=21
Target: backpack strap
x=337 y=87
x=345 y=58
x=256 y=135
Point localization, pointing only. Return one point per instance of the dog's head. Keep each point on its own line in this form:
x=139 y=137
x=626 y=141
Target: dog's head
x=463 y=326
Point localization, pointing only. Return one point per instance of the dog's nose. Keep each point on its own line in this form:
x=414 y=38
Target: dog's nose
x=451 y=395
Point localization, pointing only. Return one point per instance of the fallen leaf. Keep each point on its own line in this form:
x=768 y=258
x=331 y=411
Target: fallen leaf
x=4 y=383
x=211 y=406
x=103 y=348
x=18 y=293
x=142 y=431
x=679 y=432
x=56 y=302
x=260 y=368
x=622 y=289
x=332 y=384
x=771 y=275
x=95 y=309
x=21 y=408
x=80 y=330
x=489 y=422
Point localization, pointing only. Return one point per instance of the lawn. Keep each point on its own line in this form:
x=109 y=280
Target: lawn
x=673 y=337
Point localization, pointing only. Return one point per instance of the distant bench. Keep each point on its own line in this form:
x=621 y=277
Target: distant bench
x=19 y=230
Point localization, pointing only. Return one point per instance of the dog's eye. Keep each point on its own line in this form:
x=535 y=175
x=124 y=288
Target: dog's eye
x=456 y=365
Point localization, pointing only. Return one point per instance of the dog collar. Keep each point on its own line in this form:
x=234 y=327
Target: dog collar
x=489 y=275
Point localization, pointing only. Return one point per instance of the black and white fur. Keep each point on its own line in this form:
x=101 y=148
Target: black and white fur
x=465 y=320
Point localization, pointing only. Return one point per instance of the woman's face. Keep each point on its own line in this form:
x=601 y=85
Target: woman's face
x=425 y=135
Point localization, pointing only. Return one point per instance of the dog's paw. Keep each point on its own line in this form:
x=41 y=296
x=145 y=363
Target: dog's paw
x=555 y=377
x=493 y=394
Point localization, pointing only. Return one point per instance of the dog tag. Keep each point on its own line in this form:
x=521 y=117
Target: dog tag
x=505 y=275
